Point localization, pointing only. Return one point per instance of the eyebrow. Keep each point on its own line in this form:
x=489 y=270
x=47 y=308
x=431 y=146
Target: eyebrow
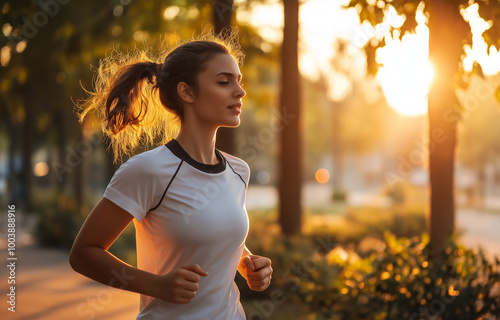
x=229 y=74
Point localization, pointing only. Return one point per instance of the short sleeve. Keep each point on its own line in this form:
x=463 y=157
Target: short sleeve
x=134 y=187
x=239 y=167
x=246 y=172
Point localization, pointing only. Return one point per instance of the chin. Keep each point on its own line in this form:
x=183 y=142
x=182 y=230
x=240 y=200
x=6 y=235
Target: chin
x=231 y=124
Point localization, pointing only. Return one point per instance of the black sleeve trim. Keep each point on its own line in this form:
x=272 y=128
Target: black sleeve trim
x=230 y=166
x=168 y=186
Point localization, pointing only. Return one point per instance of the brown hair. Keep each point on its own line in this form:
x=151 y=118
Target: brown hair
x=135 y=94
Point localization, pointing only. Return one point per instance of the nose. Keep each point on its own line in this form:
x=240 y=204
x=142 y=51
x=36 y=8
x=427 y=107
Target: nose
x=240 y=93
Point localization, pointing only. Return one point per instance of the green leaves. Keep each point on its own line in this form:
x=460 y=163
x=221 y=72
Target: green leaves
x=406 y=280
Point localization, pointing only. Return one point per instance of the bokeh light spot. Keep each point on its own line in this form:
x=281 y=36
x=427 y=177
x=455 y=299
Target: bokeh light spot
x=41 y=169
x=322 y=176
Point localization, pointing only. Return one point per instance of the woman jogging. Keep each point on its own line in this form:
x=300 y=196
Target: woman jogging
x=186 y=198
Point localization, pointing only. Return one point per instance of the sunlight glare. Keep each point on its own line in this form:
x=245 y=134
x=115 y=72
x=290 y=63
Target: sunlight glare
x=267 y=18
x=405 y=74
x=323 y=23
x=488 y=59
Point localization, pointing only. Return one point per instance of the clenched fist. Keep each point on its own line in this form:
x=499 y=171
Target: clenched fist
x=257 y=271
x=180 y=285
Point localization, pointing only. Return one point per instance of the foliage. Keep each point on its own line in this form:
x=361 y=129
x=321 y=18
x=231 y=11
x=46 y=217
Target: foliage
x=375 y=13
x=361 y=228
x=407 y=280
x=124 y=247
x=396 y=193
x=353 y=226
x=339 y=195
x=59 y=222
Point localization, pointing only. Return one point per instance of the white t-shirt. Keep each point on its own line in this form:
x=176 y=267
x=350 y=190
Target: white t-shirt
x=187 y=212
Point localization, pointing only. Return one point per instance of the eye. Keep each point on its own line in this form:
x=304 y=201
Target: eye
x=225 y=83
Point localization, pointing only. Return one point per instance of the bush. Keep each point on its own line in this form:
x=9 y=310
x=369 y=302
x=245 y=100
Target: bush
x=397 y=193
x=59 y=223
x=407 y=280
x=358 y=224
x=339 y=196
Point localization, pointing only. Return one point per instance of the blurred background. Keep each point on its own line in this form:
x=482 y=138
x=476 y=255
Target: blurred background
x=341 y=129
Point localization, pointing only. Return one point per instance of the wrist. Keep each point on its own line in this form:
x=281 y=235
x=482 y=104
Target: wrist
x=151 y=285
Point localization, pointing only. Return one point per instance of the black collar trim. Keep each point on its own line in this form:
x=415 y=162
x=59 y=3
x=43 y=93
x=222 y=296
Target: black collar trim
x=179 y=152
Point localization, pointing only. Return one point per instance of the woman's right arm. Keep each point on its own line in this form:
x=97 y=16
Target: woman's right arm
x=90 y=257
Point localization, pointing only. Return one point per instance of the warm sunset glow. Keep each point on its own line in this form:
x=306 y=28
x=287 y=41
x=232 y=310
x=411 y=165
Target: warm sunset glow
x=406 y=73
x=322 y=176
x=488 y=58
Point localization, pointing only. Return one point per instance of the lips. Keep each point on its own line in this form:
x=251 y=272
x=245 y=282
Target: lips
x=236 y=106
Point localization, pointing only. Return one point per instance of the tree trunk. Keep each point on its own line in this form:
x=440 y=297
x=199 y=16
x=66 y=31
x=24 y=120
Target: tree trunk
x=13 y=181
x=60 y=128
x=80 y=170
x=290 y=158
x=221 y=18
x=446 y=31
x=337 y=153
x=27 y=151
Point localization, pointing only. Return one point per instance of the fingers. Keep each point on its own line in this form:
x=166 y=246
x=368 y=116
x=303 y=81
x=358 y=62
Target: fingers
x=248 y=263
x=185 y=283
x=183 y=291
x=260 y=278
x=197 y=270
x=260 y=262
x=261 y=274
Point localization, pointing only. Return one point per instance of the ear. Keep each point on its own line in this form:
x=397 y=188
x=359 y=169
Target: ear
x=185 y=92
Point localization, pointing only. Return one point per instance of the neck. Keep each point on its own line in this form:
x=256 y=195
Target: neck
x=198 y=143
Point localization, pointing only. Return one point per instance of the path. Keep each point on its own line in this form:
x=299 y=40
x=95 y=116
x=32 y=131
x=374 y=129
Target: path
x=480 y=229
x=47 y=288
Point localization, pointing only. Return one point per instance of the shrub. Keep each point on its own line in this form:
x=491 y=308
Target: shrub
x=59 y=223
x=339 y=196
x=407 y=280
x=397 y=193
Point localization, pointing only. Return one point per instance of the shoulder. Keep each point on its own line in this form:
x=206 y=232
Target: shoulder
x=238 y=165
x=151 y=162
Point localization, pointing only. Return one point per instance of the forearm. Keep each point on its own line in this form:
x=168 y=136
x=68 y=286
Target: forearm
x=245 y=253
x=101 y=266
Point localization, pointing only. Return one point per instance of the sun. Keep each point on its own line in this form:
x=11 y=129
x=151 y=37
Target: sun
x=405 y=73
x=405 y=76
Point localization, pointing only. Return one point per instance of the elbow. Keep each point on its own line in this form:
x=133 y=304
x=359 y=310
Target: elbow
x=74 y=259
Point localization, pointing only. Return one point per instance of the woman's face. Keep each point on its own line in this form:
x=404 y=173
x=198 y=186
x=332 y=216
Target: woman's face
x=218 y=101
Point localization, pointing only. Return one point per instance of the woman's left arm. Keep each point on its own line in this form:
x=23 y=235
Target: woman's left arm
x=256 y=270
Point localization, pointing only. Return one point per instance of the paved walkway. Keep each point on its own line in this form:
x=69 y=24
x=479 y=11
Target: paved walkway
x=47 y=288
x=480 y=229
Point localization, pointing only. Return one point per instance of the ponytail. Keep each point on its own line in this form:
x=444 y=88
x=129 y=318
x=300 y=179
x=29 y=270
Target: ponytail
x=127 y=103
x=135 y=94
